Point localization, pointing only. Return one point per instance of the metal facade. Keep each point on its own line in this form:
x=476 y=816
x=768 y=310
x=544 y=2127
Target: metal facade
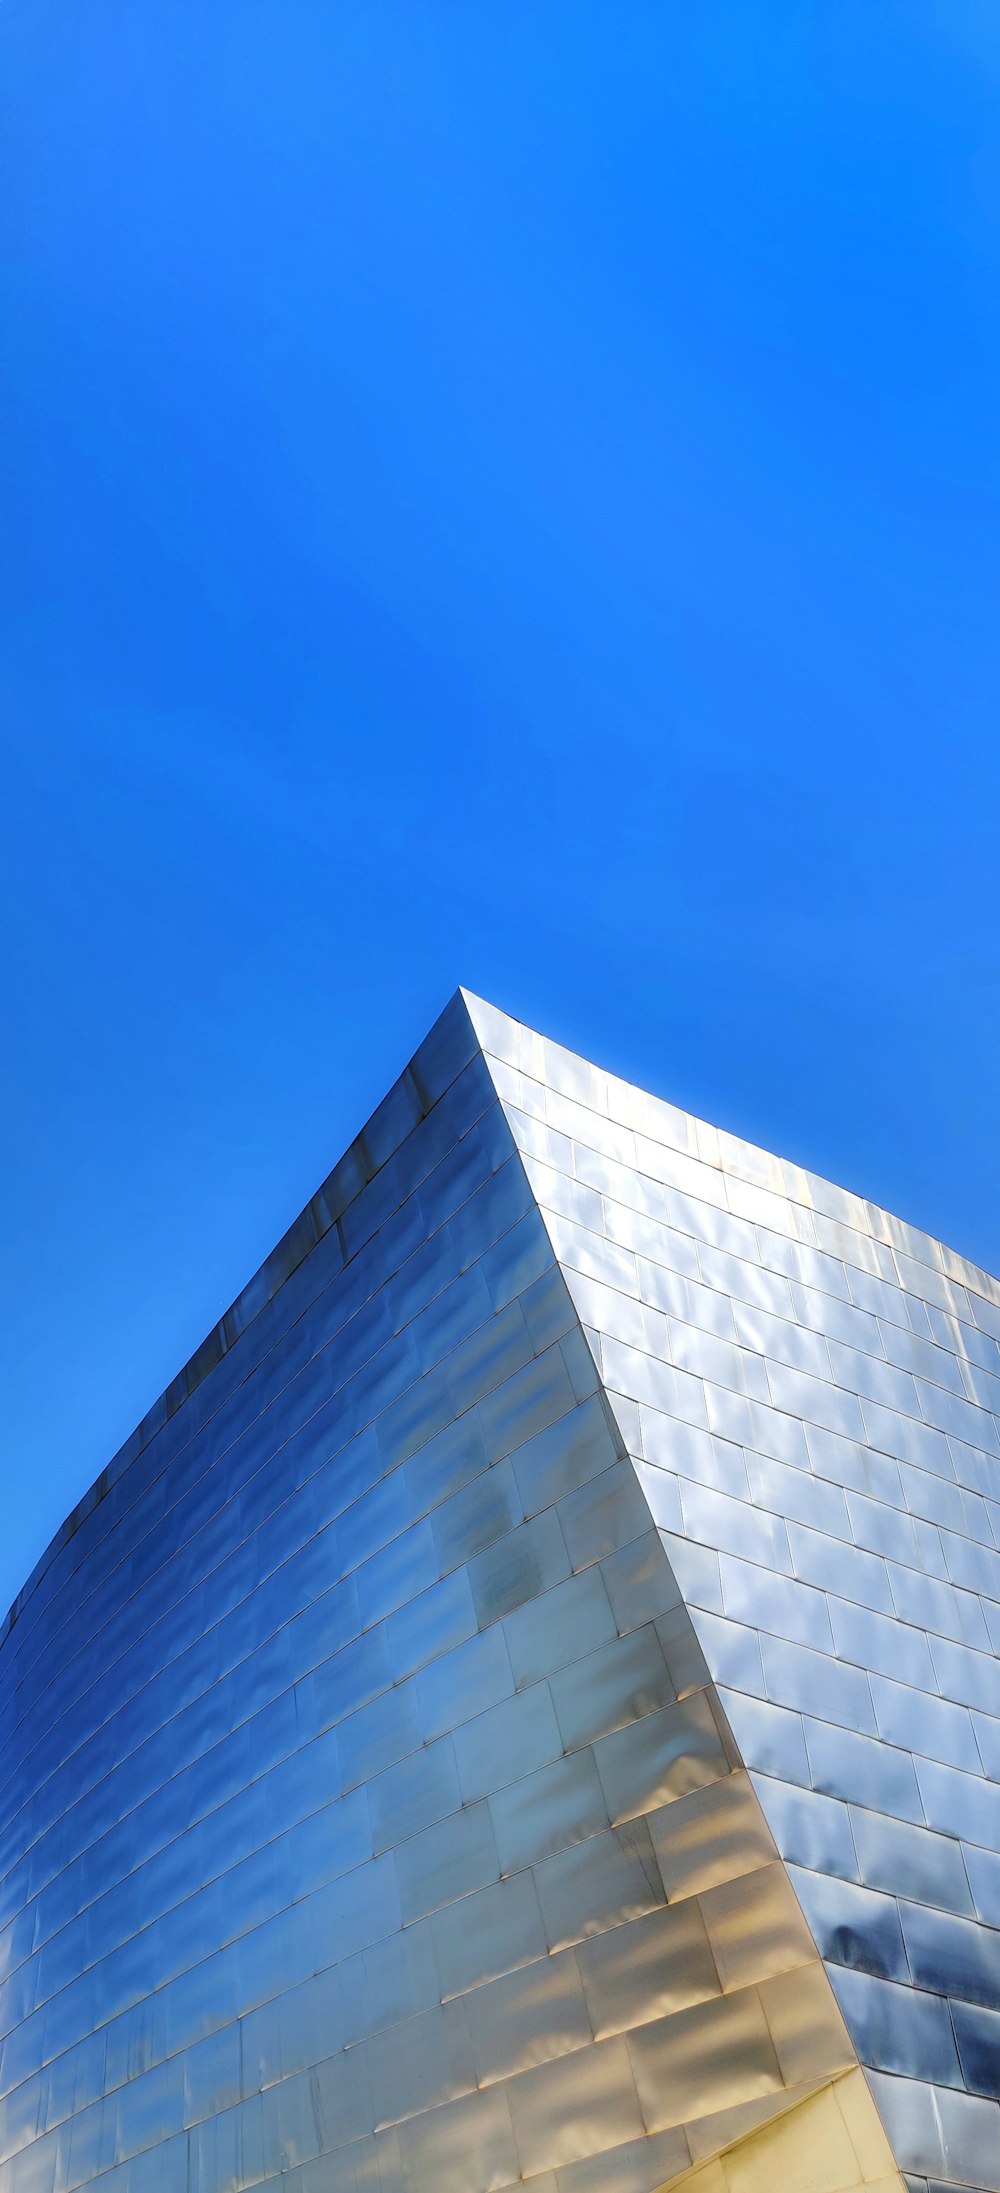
x=524 y=1706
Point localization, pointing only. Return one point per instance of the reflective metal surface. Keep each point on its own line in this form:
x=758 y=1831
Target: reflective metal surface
x=808 y=1390
x=523 y=1707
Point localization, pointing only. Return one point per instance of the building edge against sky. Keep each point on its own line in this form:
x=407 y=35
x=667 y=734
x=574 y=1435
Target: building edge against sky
x=578 y=1718
x=355 y=1168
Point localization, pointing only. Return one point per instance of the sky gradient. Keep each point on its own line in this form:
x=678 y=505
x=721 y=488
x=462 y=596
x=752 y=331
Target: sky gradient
x=494 y=494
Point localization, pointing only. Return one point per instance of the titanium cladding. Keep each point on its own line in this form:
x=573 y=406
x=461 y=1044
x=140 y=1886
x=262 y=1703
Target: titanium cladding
x=523 y=1708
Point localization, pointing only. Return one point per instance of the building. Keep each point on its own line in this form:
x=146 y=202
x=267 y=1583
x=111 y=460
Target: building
x=523 y=1708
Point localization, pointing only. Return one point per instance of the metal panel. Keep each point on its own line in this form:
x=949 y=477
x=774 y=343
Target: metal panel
x=860 y=1705
x=368 y=1814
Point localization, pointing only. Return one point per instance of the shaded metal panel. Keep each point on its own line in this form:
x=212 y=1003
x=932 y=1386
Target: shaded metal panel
x=808 y=1389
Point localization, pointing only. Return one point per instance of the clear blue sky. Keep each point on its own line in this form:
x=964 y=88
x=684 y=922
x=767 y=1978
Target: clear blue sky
x=501 y=493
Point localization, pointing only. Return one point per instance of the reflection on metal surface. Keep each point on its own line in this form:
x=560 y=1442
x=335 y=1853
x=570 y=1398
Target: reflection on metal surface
x=524 y=1706
x=831 y=2141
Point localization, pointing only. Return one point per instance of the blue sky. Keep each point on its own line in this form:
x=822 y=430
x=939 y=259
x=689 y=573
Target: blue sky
x=503 y=494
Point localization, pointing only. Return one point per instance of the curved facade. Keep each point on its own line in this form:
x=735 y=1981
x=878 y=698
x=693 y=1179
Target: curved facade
x=524 y=1707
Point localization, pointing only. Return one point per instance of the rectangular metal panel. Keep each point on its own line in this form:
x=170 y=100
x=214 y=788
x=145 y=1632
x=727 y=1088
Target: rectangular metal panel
x=388 y=1599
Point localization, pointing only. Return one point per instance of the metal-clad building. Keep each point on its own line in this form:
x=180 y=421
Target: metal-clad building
x=524 y=1706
